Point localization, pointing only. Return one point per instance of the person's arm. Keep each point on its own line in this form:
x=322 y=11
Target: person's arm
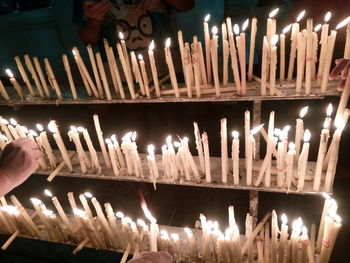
x=342 y=68
x=95 y=12
x=17 y=162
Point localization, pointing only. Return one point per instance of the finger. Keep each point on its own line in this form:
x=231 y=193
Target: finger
x=345 y=73
x=36 y=154
x=338 y=69
x=341 y=85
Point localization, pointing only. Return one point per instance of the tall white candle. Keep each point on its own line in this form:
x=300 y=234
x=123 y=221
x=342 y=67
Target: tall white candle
x=328 y=60
x=153 y=68
x=252 y=48
x=309 y=58
x=303 y=158
x=205 y=142
x=169 y=61
x=301 y=52
x=214 y=60
x=323 y=43
x=224 y=154
x=299 y=130
x=273 y=64
x=235 y=157
x=283 y=52
x=251 y=154
x=207 y=46
x=283 y=239
x=289 y=165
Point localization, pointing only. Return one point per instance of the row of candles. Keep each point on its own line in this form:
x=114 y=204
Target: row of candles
x=198 y=68
x=290 y=167
x=106 y=229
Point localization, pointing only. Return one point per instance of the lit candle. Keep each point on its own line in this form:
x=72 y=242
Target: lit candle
x=301 y=51
x=15 y=84
x=264 y=66
x=328 y=203
x=112 y=156
x=309 y=56
x=297 y=224
x=32 y=71
x=240 y=40
x=214 y=59
x=83 y=160
x=58 y=139
x=281 y=158
x=289 y=165
x=274 y=233
x=169 y=61
x=323 y=43
x=153 y=228
x=235 y=157
x=93 y=154
x=192 y=245
x=252 y=48
x=199 y=146
x=283 y=238
x=299 y=130
x=101 y=141
x=273 y=64
x=52 y=79
x=125 y=51
x=328 y=60
x=251 y=153
x=152 y=166
x=283 y=52
x=127 y=71
x=94 y=69
x=144 y=75
x=225 y=54
x=271 y=25
x=137 y=72
x=302 y=163
x=207 y=46
x=224 y=154
x=24 y=75
x=119 y=152
x=205 y=142
x=332 y=227
x=46 y=145
x=41 y=76
x=153 y=68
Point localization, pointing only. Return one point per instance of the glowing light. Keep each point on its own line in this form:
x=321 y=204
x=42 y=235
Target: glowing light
x=329 y=109
x=317 y=28
x=133 y=136
x=48 y=193
x=286 y=29
x=291 y=146
x=148 y=213
x=273 y=12
x=168 y=42
x=39 y=127
x=188 y=231
x=340 y=125
x=214 y=30
x=140 y=57
x=337 y=219
x=307 y=135
x=274 y=40
x=52 y=126
x=31 y=132
x=80 y=129
x=108 y=141
x=79 y=212
x=297 y=224
x=235 y=134
x=207 y=18
x=304 y=230
x=3 y=137
x=151 y=45
x=74 y=53
x=150 y=149
x=4 y=121
x=286 y=128
x=119 y=214
x=284 y=219
x=88 y=195
x=245 y=24
x=277 y=132
x=141 y=222
x=35 y=201
x=121 y=35
x=48 y=213
x=236 y=29
x=9 y=73
x=175 y=237
x=127 y=137
x=25 y=130
x=301 y=15
x=343 y=23
x=328 y=16
x=73 y=128
x=10 y=209
x=303 y=112
x=326 y=196
x=13 y=121
x=256 y=129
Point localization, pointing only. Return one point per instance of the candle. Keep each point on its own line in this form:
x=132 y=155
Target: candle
x=199 y=146
x=69 y=76
x=347 y=41
x=214 y=59
x=323 y=43
x=332 y=227
x=15 y=84
x=153 y=228
x=297 y=224
x=46 y=145
x=240 y=40
x=202 y=64
x=3 y=91
x=302 y=163
x=41 y=76
x=252 y=48
x=328 y=203
x=289 y=165
x=52 y=79
x=309 y=56
x=58 y=139
x=192 y=245
x=300 y=61
x=32 y=71
x=274 y=233
x=264 y=66
x=333 y=158
x=3 y=125
x=189 y=159
x=127 y=71
x=94 y=70
x=101 y=141
x=314 y=51
x=206 y=157
x=283 y=136
x=24 y=75
x=299 y=130
x=93 y=155
x=207 y=46
x=224 y=154
x=83 y=160
x=235 y=157
x=104 y=77
x=169 y=61
x=273 y=64
x=144 y=75
x=225 y=54
x=328 y=60
x=246 y=137
x=137 y=72
x=3 y=141
x=119 y=152
x=153 y=68
x=127 y=152
x=196 y=68
x=251 y=153
x=152 y=166
x=293 y=49
x=271 y=25
x=283 y=51
x=112 y=156
x=283 y=238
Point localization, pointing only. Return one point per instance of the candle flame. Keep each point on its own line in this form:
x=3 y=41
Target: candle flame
x=326 y=124
x=307 y=135
x=79 y=212
x=175 y=237
x=286 y=128
x=327 y=16
x=164 y=148
x=343 y=23
x=121 y=35
x=31 y=132
x=177 y=144
x=206 y=18
x=274 y=40
x=304 y=230
x=168 y=42
x=256 y=129
x=3 y=137
x=36 y=201
x=147 y=213
x=126 y=220
x=329 y=109
x=286 y=29
x=88 y=195
x=236 y=29
x=273 y=12
x=168 y=139
x=150 y=149
x=127 y=137
x=39 y=127
x=73 y=128
x=151 y=46
x=48 y=193
x=13 y=121
x=277 y=132
x=291 y=146
x=114 y=138
x=140 y=57
x=164 y=234
x=185 y=139
x=80 y=129
x=10 y=209
x=317 y=28
x=235 y=134
x=25 y=130
x=74 y=53
x=108 y=141
x=300 y=16
x=326 y=196
x=4 y=121
x=297 y=224
x=52 y=126
x=9 y=73
x=303 y=112
x=284 y=219
x=245 y=24
x=48 y=213
x=119 y=214
x=141 y=222
x=133 y=136
x=214 y=30
x=188 y=231
x=337 y=219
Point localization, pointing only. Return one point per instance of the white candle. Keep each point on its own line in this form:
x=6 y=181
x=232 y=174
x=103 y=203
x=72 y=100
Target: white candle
x=46 y=145
x=125 y=52
x=328 y=60
x=289 y=165
x=214 y=60
x=252 y=48
x=251 y=154
x=301 y=51
x=299 y=130
x=323 y=43
x=3 y=91
x=84 y=161
x=332 y=228
x=274 y=233
x=309 y=56
x=153 y=68
x=152 y=166
x=112 y=157
x=15 y=84
x=207 y=46
x=137 y=72
x=224 y=154
x=283 y=52
x=271 y=25
x=153 y=228
x=169 y=61
x=303 y=158
x=273 y=64
x=240 y=40
x=297 y=224
x=293 y=50
x=69 y=76
x=225 y=54
x=144 y=75
x=283 y=238
x=235 y=157
x=32 y=71
x=234 y=64
x=101 y=141
x=206 y=157
x=119 y=152
x=264 y=66
x=94 y=69
x=127 y=72
x=93 y=154
x=52 y=79
x=199 y=146
x=24 y=75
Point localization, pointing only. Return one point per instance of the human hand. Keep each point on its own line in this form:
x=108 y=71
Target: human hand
x=148 y=5
x=342 y=68
x=152 y=257
x=95 y=11
x=19 y=160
